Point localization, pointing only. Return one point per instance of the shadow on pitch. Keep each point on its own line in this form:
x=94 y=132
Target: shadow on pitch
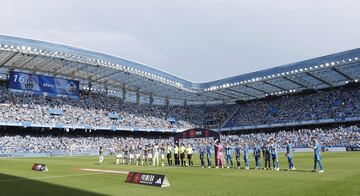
x=298 y=170
x=286 y=170
x=14 y=185
x=282 y=170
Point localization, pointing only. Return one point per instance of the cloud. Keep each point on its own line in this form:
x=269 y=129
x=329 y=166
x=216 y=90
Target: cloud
x=199 y=40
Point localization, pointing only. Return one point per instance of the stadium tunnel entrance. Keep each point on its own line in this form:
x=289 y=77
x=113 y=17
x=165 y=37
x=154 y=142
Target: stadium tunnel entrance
x=198 y=133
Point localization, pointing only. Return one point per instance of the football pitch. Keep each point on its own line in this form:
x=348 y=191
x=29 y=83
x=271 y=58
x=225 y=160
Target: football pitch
x=341 y=177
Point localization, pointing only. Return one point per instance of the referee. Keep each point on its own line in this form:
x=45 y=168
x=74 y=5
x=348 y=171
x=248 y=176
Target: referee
x=168 y=154
x=182 y=155
x=176 y=155
x=189 y=152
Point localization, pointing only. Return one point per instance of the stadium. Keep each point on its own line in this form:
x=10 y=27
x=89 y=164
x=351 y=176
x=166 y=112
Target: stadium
x=60 y=104
x=215 y=98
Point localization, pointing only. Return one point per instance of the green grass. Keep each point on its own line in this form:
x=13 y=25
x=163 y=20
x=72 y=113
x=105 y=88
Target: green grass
x=341 y=177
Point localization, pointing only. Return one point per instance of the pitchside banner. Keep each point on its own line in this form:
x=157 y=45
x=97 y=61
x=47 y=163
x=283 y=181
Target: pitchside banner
x=39 y=167
x=353 y=148
x=45 y=85
x=147 y=179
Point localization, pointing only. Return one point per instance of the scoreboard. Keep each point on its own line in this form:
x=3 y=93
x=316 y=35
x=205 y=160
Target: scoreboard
x=46 y=85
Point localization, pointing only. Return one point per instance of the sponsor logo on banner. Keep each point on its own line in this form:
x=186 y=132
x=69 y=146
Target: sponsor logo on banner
x=129 y=177
x=206 y=134
x=29 y=85
x=71 y=88
x=183 y=134
x=137 y=178
x=158 y=181
x=147 y=179
x=5 y=155
x=352 y=148
x=192 y=133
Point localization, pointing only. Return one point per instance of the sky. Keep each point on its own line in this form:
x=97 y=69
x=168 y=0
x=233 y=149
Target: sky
x=198 y=40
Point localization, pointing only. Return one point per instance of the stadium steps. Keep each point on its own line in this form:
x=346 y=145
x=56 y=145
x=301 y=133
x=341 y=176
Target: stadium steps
x=231 y=116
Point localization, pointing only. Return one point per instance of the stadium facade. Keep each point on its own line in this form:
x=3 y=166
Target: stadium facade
x=141 y=84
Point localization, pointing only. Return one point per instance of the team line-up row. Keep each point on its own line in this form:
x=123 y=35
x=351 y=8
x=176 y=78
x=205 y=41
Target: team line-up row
x=149 y=155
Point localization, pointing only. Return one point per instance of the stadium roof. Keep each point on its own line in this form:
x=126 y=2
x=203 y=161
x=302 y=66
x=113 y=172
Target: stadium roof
x=116 y=74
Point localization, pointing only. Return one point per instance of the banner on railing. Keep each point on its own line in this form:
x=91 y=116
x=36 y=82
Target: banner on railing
x=46 y=85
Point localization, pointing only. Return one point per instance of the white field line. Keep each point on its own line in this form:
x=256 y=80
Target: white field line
x=104 y=171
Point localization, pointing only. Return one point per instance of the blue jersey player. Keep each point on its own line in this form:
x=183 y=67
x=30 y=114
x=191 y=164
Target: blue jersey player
x=202 y=155
x=289 y=154
x=274 y=155
x=257 y=155
x=246 y=156
x=237 y=155
x=228 y=155
x=208 y=154
x=317 y=156
x=267 y=156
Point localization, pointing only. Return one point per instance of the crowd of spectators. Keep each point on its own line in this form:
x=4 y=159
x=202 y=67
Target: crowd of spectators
x=93 y=110
x=215 y=116
x=331 y=137
x=69 y=144
x=334 y=103
x=23 y=143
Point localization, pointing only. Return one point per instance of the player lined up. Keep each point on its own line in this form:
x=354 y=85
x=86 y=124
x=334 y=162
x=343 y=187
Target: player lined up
x=150 y=154
x=153 y=154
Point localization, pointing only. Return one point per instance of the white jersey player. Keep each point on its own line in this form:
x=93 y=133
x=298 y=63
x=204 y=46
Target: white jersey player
x=119 y=157
x=131 y=155
x=162 y=148
x=137 y=154
x=156 y=155
x=101 y=154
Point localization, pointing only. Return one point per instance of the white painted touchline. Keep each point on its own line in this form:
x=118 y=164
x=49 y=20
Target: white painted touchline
x=104 y=171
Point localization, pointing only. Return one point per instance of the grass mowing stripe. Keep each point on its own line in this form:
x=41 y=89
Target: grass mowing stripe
x=76 y=175
x=341 y=176
x=50 y=177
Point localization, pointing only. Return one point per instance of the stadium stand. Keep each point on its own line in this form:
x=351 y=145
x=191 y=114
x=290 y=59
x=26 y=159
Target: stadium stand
x=320 y=96
x=328 y=104
x=13 y=142
x=94 y=110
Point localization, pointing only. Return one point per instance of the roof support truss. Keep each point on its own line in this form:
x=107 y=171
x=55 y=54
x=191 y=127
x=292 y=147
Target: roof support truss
x=296 y=82
x=257 y=89
x=342 y=73
x=108 y=75
x=223 y=94
x=319 y=78
x=8 y=59
x=27 y=61
x=274 y=85
x=236 y=91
